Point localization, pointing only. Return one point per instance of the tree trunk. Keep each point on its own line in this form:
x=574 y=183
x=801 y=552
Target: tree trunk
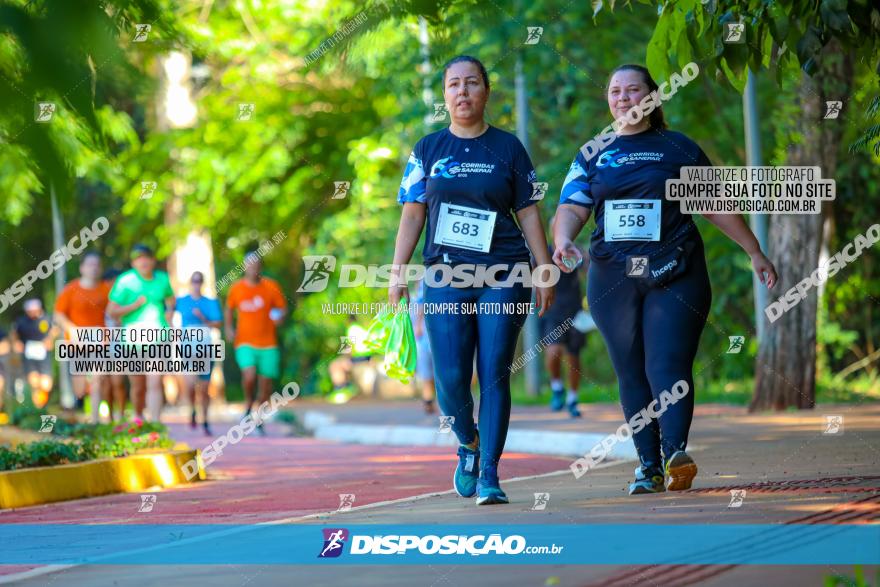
x=785 y=369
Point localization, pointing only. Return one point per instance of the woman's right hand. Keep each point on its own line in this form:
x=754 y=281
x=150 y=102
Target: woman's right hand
x=565 y=249
x=396 y=293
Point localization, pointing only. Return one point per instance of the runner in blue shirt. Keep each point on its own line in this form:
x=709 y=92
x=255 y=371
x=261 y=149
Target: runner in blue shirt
x=198 y=311
x=648 y=287
x=471 y=186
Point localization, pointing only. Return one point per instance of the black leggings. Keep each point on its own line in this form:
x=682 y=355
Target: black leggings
x=652 y=336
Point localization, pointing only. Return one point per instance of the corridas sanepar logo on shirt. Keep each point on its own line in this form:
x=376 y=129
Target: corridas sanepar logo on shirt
x=445 y=167
x=613 y=158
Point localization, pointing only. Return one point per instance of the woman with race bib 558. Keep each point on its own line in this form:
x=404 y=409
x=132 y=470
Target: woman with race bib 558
x=647 y=286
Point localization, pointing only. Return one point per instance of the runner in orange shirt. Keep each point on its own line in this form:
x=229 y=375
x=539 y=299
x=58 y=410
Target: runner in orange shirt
x=82 y=303
x=260 y=307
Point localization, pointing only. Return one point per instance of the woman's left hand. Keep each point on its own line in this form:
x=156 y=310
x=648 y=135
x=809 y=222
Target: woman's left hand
x=762 y=265
x=544 y=297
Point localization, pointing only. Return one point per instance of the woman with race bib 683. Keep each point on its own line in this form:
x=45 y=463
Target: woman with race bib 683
x=466 y=183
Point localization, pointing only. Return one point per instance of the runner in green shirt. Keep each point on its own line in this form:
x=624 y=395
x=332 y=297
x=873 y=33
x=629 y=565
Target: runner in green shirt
x=142 y=297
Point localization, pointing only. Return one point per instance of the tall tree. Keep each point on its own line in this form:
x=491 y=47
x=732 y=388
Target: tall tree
x=786 y=363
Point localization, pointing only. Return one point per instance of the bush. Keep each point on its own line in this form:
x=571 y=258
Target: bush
x=9 y=458
x=28 y=417
x=73 y=443
x=43 y=453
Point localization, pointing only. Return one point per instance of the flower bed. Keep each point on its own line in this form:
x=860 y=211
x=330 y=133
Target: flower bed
x=73 y=443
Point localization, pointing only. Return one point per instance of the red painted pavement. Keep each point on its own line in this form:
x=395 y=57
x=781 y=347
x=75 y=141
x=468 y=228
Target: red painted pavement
x=275 y=477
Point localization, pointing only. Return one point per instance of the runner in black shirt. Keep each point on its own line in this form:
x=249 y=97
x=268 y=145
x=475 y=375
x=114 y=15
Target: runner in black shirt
x=564 y=340
x=648 y=287
x=471 y=186
x=34 y=339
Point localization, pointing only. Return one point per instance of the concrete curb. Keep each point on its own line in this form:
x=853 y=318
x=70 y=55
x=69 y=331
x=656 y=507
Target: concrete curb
x=39 y=485
x=535 y=441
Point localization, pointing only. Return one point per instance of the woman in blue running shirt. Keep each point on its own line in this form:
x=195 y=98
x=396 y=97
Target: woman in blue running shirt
x=469 y=184
x=647 y=285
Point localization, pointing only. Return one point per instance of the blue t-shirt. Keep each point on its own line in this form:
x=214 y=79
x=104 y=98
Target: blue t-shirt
x=634 y=167
x=491 y=172
x=209 y=307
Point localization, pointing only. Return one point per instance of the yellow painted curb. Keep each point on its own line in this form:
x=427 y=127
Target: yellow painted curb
x=38 y=485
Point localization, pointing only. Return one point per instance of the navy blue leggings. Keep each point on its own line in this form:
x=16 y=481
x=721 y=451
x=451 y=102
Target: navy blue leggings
x=652 y=336
x=454 y=338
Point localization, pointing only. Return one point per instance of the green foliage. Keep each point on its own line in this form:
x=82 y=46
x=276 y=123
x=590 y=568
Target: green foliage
x=43 y=453
x=354 y=113
x=780 y=35
x=28 y=417
x=71 y=443
x=857 y=580
x=53 y=51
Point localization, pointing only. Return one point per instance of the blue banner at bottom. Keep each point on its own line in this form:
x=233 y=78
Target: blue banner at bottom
x=299 y=544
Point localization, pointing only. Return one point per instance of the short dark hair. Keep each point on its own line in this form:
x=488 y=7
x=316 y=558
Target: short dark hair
x=141 y=249
x=201 y=276
x=467 y=59
x=90 y=253
x=655 y=118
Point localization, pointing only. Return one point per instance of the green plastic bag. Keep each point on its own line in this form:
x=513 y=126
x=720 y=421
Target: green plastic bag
x=378 y=331
x=400 y=349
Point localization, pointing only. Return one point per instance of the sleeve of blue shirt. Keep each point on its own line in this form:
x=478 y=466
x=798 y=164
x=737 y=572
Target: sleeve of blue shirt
x=213 y=314
x=524 y=178
x=576 y=187
x=414 y=183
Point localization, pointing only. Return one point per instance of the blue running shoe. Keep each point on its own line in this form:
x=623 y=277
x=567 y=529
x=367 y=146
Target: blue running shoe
x=488 y=489
x=648 y=480
x=467 y=472
x=573 y=410
x=557 y=400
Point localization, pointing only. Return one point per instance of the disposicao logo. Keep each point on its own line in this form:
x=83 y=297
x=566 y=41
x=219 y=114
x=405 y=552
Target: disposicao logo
x=334 y=540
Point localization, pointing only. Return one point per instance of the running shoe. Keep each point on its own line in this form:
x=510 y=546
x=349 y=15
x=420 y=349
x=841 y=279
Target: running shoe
x=488 y=489
x=429 y=406
x=207 y=429
x=467 y=472
x=573 y=410
x=680 y=471
x=342 y=395
x=192 y=419
x=260 y=430
x=648 y=480
x=557 y=400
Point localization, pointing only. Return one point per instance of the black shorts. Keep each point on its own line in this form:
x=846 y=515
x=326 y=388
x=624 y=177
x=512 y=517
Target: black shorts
x=572 y=339
x=41 y=366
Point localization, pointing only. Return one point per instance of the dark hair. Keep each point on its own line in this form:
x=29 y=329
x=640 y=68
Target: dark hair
x=655 y=118
x=201 y=278
x=467 y=59
x=141 y=249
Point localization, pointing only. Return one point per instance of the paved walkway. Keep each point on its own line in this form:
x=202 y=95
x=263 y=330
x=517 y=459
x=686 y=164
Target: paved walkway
x=791 y=471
